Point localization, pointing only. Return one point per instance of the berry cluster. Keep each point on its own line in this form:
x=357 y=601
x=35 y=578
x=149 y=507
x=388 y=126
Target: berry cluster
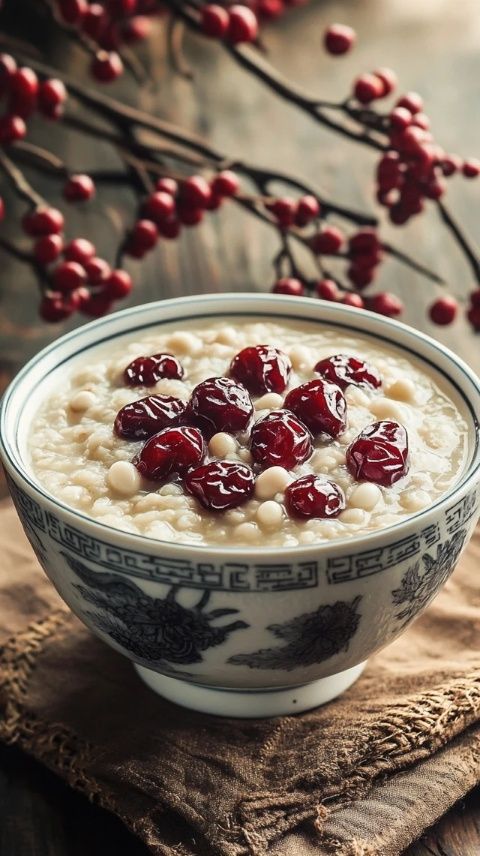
x=24 y=94
x=234 y=24
x=176 y=433
x=74 y=277
x=174 y=204
x=109 y=25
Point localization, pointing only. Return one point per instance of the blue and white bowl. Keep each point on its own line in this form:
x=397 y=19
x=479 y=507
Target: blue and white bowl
x=242 y=631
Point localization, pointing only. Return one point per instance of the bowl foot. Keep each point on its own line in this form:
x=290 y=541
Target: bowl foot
x=250 y=704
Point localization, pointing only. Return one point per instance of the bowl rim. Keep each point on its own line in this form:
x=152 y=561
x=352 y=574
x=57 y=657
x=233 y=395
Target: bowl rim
x=346 y=313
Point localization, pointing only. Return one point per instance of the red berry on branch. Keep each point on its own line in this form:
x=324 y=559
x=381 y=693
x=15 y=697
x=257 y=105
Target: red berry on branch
x=473 y=316
x=189 y=216
x=107 y=66
x=350 y=299
x=443 y=310
x=214 y=202
x=387 y=304
x=363 y=241
x=97 y=270
x=79 y=250
x=475 y=297
x=8 y=67
x=136 y=29
x=308 y=207
x=421 y=120
x=289 y=285
x=450 y=164
x=23 y=92
x=170 y=228
x=94 y=21
x=242 y=25
x=68 y=276
x=388 y=79
x=79 y=188
x=120 y=8
x=167 y=185
x=412 y=101
x=118 y=285
x=399 y=214
x=12 y=128
x=143 y=236
x=471 y=168
x=54 y=308
x=327 y=242
x=195 y=192
x=159 y=206
x=51 y=97
x=283 y=210
x=360 y=275
x=96 y=306
x=110 y=38
x=226 y=183
x=400 y=118
x=327 y=289
x=72 y=11
x=214 y=21
x=339 y=39
x=270 y=9
x=43 y=221
x=47 y=249
x=367 y=88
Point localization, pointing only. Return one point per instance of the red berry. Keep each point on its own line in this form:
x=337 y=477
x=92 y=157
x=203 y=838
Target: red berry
x=420 y=120
x=47 y=249
x=214 y=202
x=96 y=305
x=354 y=300
x=147 y=416
x=79 y=188
x=283 y=210
x=221 y=484
x=261 y=368
x=320 y=405
x=450 y=164
x=367 y=88
x=143 y=237
x=2 y=209
x=121 y=8
x=327 y=289
x=23 y=91
x=136 y=29
x=106 y=67
x=379 y=454
x=97 y=270
x=364 y=241
x=314 y=496
x=279 y=439
x=400 y=118
x=12 y=128
x=51 y=96
x=473 y=316
x=388 y=79
x=361 y=275
x=475 y=297
x=327 y=242
x=214 y=21
x=412 y=102
x=308 y=208
x=53 y=308
x=345 y=370
x=242 y=25
x=270 y=9
x=171 y=451
x=338 y=39
x=221 y=404
x=159 y=206
x=8 y=67
x=289 y=285
x=170 y=228
x=226 y=183
x=195 y=192
x=167 y=185
x=189 y=216
x=399 y=214
x=443 y=310
x=434 y=189
x=68 y=275
x=471 y=168
x=119 y=284
x=79 y=250
x=386 y=304
x=110 y=37
x=95 y=20
x=43 y=221
x=146 y=371
x=72 y=11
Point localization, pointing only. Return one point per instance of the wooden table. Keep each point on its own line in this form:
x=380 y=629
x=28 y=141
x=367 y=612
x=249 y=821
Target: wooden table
x=435 y=49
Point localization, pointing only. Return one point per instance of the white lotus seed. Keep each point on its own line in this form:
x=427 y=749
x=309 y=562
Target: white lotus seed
x=271 y=481
x=246 y=532
x=227 y=336
x=270 y=514
x=124 y=478
x=365 y=496
x=385 y=408
x=269 y=401
x=184 y=343
x=300 y=356
x=81 y=401
x=222 y=444
x=402 y=389
x=355 y=516
x=415 y=500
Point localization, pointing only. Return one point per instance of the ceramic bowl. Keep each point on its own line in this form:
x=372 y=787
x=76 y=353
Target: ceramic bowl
x=242 y=631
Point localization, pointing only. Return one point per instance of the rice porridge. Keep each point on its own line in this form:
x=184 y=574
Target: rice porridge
x=242 y=432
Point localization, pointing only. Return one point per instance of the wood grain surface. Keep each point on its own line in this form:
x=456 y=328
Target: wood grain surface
x=434 y=46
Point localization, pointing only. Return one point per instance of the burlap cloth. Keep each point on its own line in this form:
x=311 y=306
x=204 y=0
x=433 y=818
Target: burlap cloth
x=365 y=774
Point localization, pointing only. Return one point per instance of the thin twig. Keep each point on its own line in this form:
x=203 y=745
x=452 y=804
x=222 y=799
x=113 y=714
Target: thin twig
x=461 y=239
x=19 y=182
